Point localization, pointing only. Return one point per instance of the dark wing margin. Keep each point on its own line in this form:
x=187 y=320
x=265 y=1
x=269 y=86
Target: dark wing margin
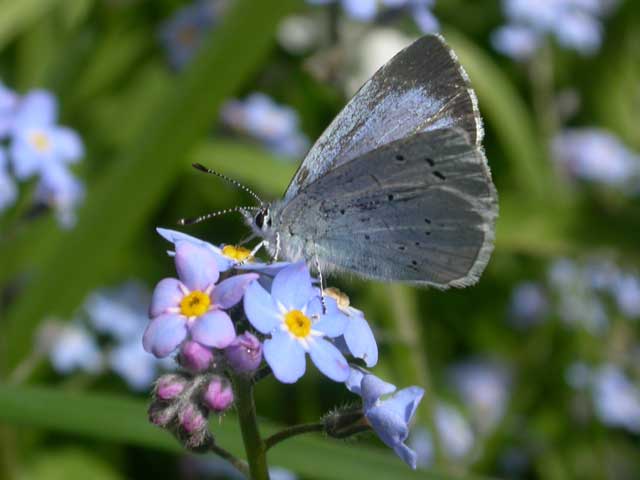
x=420 y=210
x=422 y=88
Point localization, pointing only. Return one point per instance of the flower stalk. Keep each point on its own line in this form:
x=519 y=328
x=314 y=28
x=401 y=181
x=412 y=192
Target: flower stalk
x=255 y=447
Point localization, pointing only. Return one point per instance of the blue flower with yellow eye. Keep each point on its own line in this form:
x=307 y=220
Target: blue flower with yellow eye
x=291 y=314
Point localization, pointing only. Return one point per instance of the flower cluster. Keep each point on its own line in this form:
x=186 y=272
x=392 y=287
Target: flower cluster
x=33 y=144
x=225 y=313
x=368 y=10
x=276 y=126
x=106 y=334
x=183 y=34
x=576 y=24
x=599 y=157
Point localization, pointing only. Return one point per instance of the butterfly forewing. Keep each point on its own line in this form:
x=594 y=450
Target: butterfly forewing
x=422 y=88
x=418 y=210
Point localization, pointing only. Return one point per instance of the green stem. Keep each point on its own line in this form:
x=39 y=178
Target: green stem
x=254 y=446
x=291 y=432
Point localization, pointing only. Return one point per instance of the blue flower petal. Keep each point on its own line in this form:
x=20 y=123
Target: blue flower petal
x=164 y=334
x=223 y=263
x=360 y=340
x=292 y=286
x=329 y=360
x=230 y=291
x=167 y=294
x=373 y=388
x=260 y=309
x=285 y=356
x=213 y=329
x=196 y=265
x=404 y=402
x=67 y=144
x=407 y=455
x=391 y=428
x=354 y=382
x=38 y=108
x=332 y=324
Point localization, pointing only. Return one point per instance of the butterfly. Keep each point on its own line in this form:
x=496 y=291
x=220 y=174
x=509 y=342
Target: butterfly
x=398 y=187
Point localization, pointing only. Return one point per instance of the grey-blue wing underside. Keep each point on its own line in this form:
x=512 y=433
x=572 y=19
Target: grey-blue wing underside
x=422 y=88
x=420 y=210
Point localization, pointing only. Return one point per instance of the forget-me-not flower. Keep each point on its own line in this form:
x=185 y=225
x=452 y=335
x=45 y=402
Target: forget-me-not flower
x=389 y=412
x=292 y=315
x=38 y=144
x=183 y=34
x=576 y=24
x=276 y=126
x=616 y=399
x=135 y=366
x=193 y=304
x=74 y=348
x=528 y=304
x=60 y=190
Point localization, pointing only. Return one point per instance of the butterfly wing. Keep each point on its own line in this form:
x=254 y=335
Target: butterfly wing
x=419 y=210
x=422 y=88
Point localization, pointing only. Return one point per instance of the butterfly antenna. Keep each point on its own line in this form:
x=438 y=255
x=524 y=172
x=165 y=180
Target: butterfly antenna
x=236 y=183
x=202 y=218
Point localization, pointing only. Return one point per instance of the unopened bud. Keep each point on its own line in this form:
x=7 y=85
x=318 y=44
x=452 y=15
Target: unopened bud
x=169 y=386
x=244 y=354
x=218 y=396
x=161 y=414
x=343 y=423
x=193 y=431
x=195 y=357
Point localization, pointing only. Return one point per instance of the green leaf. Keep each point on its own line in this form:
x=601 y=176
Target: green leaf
x=124 y=420
x=16 y=16
x=134 y=184
x=68 y=464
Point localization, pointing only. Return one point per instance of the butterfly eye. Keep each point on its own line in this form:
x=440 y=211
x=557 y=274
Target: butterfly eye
x=260 y=219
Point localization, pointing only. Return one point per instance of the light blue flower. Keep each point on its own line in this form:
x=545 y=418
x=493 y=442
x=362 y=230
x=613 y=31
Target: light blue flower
x=193 y=305
x=225 y=256
x=74 y=348
x=292 y=315
x=184 y=33
x=528 y=304
x=38 y=144
x=484 y=388
x=616 y=399
x=576 y=24
x=597 y=156
x=626 y=291
x=8 y=188
x=389 y=412
x=357 y=339
x=276 y=126
x=61 y=191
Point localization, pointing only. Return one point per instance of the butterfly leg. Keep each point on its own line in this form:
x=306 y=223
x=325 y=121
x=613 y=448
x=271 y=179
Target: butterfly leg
x=277 y=252
x=324 y=306
x=255 y=250
x=246 y=239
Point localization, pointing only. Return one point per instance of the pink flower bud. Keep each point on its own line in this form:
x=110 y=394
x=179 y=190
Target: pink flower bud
x=245 y=353
x=218 y=396
x=192 y=420
x=169 y=386
x=195 y=357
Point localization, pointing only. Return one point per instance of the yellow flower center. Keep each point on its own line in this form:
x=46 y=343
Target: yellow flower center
x=40 y=141
x=236 y=253
x=195 y=304
x=341 y=298
x=298 y=323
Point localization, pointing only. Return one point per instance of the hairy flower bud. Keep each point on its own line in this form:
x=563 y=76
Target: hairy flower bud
x=245 y=353
x=169 y=386
x=195 y=357
x=343 y=423
x=218 y=396
x=193 y=429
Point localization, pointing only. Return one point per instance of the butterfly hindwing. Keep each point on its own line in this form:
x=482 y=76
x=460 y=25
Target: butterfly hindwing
x=419 y=210
x=422 y=88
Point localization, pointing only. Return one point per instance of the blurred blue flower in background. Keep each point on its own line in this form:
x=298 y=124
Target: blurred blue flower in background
x=276 y=126
x=528 y=305
x=484 y=387
x=616 y=398
x=576 y=25
x=368 y=10
x=62 y=192
x=183 y=34
x=292 y=314
x=135 y=366
x=8 y=188
x=73 y=348
x=597 y=156
x=626 y=291
x=388 y=410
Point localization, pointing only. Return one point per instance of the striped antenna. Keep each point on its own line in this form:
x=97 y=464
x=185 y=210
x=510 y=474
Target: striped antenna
x=236 y=183
x=202 y=218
